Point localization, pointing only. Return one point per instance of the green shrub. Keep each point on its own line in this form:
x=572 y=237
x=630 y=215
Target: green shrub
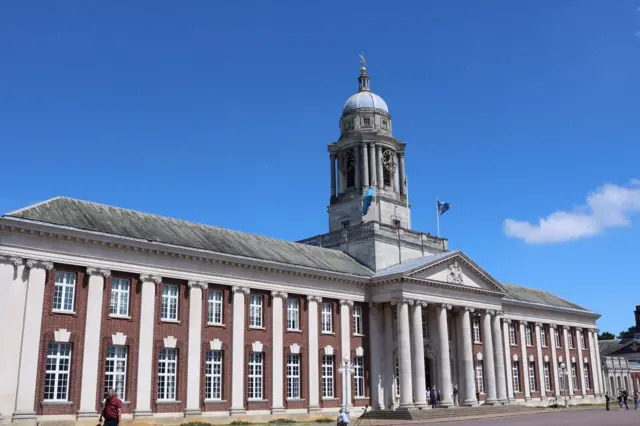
x=241 y=422
x=281 y=421
x=197 y=423
x=323 y=420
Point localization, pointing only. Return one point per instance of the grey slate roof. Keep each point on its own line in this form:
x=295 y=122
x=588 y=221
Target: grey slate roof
x=608 y=347
x=116 y=221
x=413 y=264
x=524 y=294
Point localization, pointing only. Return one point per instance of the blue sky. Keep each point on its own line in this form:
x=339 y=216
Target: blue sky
x=221 y=112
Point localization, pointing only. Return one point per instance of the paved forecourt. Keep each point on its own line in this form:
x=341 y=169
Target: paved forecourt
x=570 y=418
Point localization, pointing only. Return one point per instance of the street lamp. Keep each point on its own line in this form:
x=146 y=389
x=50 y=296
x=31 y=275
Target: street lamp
x=346 y=368
x=562 y=372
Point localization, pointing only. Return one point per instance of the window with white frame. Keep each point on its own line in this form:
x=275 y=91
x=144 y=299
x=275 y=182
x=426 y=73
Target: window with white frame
x=527 y=335
x=476 y=330
x=293 y=376
x=214 y=304
x=213 y=376
x=64 y=291
x=293 y=314
x=532 y=376
x=120 y=297
x=570 y=338
x=327 y=376
x=169 y=302
x=543 y=336
x=255 y=311
x=583 y=344
x=357 y=320
x=574 y=376
x=557 y=337
x=167 y=374
x=547 y=377
x=327 y=317
x=479 y=377
x=397 y=374
x=425 y=326
x=358 y=377
x=115 y=375
x=512 y=334
x=255 y=375
x=56 y=380
x=587 y=382
x=516 y=377
x=561 y=378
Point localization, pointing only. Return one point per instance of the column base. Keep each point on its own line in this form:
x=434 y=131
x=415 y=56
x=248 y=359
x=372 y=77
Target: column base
x=420 y=405
x=86 y=414
x=503 y=401
x=470 y=403
x=314 y=409
x=142 y=413
x=192 y=412
x=24 y=416
x=445 y=404
x=491 y=402
x=406 y=406
x=278 y=410
x=237 y=411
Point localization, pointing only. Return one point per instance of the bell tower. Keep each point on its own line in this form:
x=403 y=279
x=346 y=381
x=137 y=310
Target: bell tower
x=367 y=156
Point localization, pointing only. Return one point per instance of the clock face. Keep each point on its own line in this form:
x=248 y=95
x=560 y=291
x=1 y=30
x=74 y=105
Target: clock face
x=388 y=160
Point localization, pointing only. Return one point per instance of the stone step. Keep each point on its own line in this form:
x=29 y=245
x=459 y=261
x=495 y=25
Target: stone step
x=437 y=413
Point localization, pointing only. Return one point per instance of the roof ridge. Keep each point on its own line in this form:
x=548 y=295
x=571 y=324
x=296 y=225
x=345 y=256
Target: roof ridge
x=35 y=205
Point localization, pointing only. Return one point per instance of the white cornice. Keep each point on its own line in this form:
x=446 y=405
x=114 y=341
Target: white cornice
x=543 y=307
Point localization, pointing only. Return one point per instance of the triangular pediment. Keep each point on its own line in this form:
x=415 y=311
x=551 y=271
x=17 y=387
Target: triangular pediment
x=456 y=269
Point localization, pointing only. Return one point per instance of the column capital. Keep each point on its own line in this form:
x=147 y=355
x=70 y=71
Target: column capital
x=279 y=294
x=332 y=155
x=198 y=284
x=469 y=309
x=98 y=271
x=566 y=327
x=490 y=312
x=345 y=302
x=579 y=329
x=595 y=331
x=507 y=320
x=401 y=301
x=446 y=306
x=523 y=322
x=13 y=260
x=401 y=154
x=35 y=263
x=421 y=303
x=316 y=299
x=238 y=289
x=153 y=278
x=539 y=324
x=551 y=325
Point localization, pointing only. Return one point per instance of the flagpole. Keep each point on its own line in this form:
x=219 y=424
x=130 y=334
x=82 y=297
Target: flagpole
x=437 y=217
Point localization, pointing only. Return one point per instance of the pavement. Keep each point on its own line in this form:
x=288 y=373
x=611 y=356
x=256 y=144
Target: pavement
x=589 y=417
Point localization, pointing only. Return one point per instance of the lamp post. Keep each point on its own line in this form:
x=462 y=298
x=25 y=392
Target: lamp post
x=562 y=372
x=346 y=368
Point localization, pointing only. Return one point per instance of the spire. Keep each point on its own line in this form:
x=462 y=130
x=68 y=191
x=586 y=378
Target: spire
x=364 y=82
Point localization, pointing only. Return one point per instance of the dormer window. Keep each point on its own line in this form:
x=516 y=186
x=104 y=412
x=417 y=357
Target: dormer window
x=366 y=121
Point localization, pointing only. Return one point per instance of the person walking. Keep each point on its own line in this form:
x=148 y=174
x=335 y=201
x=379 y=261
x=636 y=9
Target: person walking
x=343 y=418
x=112 y=410
x=620 y=399
x=625 y=397
x=607 y=399
x=455 y=394
x=635 y=400
x=428 y=396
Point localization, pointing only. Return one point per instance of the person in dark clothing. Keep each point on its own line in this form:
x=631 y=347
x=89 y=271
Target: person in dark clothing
x=607 y=398
x=112 y=410
x=625 y=397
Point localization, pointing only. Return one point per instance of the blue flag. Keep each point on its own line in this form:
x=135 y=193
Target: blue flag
x=443 y=207
x=366 y=201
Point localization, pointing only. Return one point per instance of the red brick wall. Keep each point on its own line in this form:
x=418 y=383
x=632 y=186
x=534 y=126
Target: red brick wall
x=180 y=331
x=263 y=335
x=301 y=338
x=333 y=340
x=131 y=328
x=224 y=334
x=75 y=323
x=357 y=341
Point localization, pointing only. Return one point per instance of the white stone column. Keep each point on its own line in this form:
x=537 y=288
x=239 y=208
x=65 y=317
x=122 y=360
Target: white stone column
x=417 y=356
x=596 y=347
x=404 y=352
x=30 y=350
x=593 y=363
x=277 y=366
x=541 y=382
x=388 y=357
x=567 y=361
x=444 y=360
x=194 y=362
x=376 y=337
x=146 y=363
x=358 y=167
x=92 y=350
x=380 y=175
x=12 y=304
x=487 y=360
x=365 y=165
x=237 y=366
x=373 y=165
x=467 y=357
x=525 y=361
x=403 y=173
x=345 y=339
x=332 y=158
x=314 y=365
x=554 y=359
x=583 y=388
x=498 y=357
x=507 y=358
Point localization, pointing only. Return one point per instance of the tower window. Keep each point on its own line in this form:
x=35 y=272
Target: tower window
x=349 y=168
x=384 y=124
x=366 y=121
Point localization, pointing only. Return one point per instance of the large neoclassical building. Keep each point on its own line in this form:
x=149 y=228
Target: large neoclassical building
x=183 y=319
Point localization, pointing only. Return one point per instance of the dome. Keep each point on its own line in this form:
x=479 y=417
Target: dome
x=365 y=99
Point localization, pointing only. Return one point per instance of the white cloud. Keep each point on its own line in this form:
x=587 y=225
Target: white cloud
x=610 y=206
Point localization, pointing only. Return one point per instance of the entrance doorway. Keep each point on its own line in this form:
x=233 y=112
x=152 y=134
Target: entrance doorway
x=427 y=373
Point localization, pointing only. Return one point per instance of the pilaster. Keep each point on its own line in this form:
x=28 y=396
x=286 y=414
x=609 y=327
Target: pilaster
x=345 y=338
x=314 y=365
x=372 y=164
x=277 y=366
x=507 y=359
x=379 y=165
x=541 y=382
x=554 y=358
x=365 y=165
x=196 y=290
x=525 y=361
x=579 y=338
x=237 y=367
x=91 y=350
x=567 y=361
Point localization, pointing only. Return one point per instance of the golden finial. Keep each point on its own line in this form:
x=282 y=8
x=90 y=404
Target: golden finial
x=363 y=63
